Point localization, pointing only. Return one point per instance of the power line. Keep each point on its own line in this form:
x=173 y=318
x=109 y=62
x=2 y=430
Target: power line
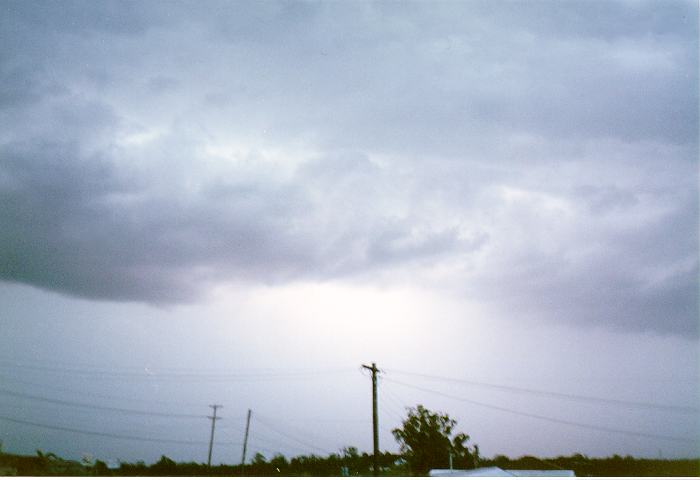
x=97 y=395
x=123 y=437
x=394 y=399
x=301 y=431
x=291 y=437
x=272 y=441
x=255 y=446
x=107 y=435
x=263 y=450
x=15 y=361
x=565 y=396
x=548 y=419
x=255 y=434
x=389 y=414
x=327 y=420
x=196 y=376
x=96 y=407
x=388 y=410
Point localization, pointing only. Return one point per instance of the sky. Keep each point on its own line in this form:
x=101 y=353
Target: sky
x=241 y=203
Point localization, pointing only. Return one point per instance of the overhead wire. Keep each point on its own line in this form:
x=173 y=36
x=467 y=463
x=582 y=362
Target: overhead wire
x=388 y=408
x=118 y=436
x=272 y=441
x=327 y=420
x=559 y=395
x=83 y=393
x=389 y=413
x=93 y=368
x=96 y=407
x=546 y=418
x=180 y=376
x=109 y=435
x=393 y=399
x=271 y=427
x=296 y=428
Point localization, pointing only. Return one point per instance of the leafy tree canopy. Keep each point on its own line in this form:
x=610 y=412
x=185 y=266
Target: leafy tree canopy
x=259 y=459
x=427 y=439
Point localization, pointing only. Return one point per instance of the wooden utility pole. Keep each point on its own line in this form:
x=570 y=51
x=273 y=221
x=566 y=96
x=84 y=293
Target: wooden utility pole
x=214 y=418
x=245 y=438
x=375 y=418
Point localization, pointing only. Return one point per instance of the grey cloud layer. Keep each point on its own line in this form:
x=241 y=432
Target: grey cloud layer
x=544 y=154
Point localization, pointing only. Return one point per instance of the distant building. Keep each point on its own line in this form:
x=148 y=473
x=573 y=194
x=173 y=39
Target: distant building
x=499 y=472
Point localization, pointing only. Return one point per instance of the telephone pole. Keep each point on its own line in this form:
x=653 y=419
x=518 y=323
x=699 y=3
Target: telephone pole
x=245 y=438
x=375 y=419
x=214 y=418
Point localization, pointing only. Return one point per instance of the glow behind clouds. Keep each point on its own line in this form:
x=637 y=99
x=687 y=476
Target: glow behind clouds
x=505 y=191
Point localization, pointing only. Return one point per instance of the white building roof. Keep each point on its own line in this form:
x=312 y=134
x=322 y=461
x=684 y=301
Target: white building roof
x=477 y=472
x=542 y=473
x=499 y=472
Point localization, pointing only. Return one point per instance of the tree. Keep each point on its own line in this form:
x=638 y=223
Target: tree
x=165 y=466
x=427 y=439
x=279 y=463
x=100 y=469
x=350 y=452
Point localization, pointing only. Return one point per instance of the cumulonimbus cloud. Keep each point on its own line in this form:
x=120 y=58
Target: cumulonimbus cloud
x=546 y=159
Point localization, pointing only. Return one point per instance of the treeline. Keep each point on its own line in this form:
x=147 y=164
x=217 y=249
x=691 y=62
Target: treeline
x=349 y=463
x=615 y=466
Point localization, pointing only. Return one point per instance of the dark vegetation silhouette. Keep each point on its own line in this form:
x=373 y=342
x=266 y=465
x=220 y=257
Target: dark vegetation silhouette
x=426 y=440
x=344 y=463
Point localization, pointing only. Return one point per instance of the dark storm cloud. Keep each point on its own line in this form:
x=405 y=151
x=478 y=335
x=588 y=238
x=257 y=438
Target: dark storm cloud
x=546 y=151
x=78 y=17
x=637 y=280
x=73 y=223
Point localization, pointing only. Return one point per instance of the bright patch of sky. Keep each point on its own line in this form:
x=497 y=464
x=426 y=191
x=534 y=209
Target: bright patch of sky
x=499 y=191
